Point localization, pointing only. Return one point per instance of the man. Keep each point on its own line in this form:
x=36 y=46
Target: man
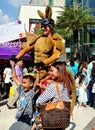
x=19 y=74
x=47 y=47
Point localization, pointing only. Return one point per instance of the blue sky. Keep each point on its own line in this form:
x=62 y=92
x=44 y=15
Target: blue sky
x=9 y=10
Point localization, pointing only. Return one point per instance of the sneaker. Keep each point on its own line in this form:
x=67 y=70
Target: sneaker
x=11 y=107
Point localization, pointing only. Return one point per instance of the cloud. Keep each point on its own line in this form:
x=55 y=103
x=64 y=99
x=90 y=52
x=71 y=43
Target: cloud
x=17 y=3
x=4 y=18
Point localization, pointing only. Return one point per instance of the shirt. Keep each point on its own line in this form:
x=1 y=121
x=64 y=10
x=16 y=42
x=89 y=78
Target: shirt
x=89 y=72
x=24 y=103
x=50 y=94
x=19 y=71
x=8 y=73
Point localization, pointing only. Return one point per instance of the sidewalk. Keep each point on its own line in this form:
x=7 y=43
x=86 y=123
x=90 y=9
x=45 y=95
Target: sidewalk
x=83 y=119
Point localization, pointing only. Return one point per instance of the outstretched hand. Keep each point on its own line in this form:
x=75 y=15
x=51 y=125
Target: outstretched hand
x=39 y=65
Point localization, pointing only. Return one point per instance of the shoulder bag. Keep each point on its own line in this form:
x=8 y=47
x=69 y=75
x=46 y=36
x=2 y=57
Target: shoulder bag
x=55 y=114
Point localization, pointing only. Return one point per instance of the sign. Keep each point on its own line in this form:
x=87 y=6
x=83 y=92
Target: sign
x=16 y=44
x=11 y=31
x=33 y=24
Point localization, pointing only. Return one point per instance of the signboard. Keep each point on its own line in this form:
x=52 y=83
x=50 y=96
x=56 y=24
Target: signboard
x=33 y=24
x=11 y=31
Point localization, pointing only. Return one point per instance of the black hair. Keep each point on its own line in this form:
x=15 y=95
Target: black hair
x=13 y=59
x=72 y=62
x=81 y=78
x=20 y=59
x=30 y=77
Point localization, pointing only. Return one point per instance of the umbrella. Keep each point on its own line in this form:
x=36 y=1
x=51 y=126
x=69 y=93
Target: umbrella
x=7 y=52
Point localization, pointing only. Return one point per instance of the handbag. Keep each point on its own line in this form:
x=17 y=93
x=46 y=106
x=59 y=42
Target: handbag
x=55 y=114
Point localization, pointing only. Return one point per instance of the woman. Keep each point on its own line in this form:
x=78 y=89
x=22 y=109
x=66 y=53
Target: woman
x=58 y=74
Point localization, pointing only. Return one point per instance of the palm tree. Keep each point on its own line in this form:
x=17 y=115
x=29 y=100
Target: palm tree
x=74 y=18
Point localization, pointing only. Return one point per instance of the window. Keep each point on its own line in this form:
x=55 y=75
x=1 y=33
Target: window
x=51 y=2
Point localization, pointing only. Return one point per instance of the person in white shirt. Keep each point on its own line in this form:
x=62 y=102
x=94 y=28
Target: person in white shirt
x=7 y=75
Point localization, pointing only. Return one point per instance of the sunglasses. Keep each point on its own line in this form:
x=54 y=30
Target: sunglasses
x=45 y=22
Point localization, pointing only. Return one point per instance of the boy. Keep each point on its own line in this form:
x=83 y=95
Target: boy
x=25 y=101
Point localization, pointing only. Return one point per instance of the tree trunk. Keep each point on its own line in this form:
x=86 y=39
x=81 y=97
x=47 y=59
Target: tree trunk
x=75 y=32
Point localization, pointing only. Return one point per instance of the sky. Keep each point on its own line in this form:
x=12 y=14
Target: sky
x=9 y=10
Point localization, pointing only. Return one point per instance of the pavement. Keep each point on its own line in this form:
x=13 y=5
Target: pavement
x=83 y=119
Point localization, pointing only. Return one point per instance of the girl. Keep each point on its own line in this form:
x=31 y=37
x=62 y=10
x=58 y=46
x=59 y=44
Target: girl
x=82 y=99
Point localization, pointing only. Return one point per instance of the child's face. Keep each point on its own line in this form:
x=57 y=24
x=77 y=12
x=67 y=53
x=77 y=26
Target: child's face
x=26 y=84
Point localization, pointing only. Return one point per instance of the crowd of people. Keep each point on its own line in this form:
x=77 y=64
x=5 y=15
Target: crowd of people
x=26 y=82
x=82 y=70
x=36 y=85
x=84 y=78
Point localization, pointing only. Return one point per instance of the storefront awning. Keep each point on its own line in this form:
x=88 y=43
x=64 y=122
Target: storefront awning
x=7 y=52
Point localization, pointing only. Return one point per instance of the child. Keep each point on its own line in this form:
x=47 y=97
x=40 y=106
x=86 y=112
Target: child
x=82 y=99
x=77 y=85
x=25 y=102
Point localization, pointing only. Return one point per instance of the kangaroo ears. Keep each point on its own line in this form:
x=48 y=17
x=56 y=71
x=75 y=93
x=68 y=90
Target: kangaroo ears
x=48 y=13
x=41 y=14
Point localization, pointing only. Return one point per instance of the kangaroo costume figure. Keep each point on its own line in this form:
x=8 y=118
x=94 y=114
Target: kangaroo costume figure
x=47 y=48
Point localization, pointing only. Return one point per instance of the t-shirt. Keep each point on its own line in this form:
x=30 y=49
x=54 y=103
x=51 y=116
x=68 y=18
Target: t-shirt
x=24 y=103
x=8 y=73
x=19 y=71
x=50 y=94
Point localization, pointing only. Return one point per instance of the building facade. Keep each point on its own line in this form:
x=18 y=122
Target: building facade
x=48 y=2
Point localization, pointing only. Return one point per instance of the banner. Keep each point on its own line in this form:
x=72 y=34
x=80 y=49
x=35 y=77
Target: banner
x=11 y=31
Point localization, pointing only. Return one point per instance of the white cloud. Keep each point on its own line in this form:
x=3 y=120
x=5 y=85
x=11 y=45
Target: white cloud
x=4 y=18
x=17 y=3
